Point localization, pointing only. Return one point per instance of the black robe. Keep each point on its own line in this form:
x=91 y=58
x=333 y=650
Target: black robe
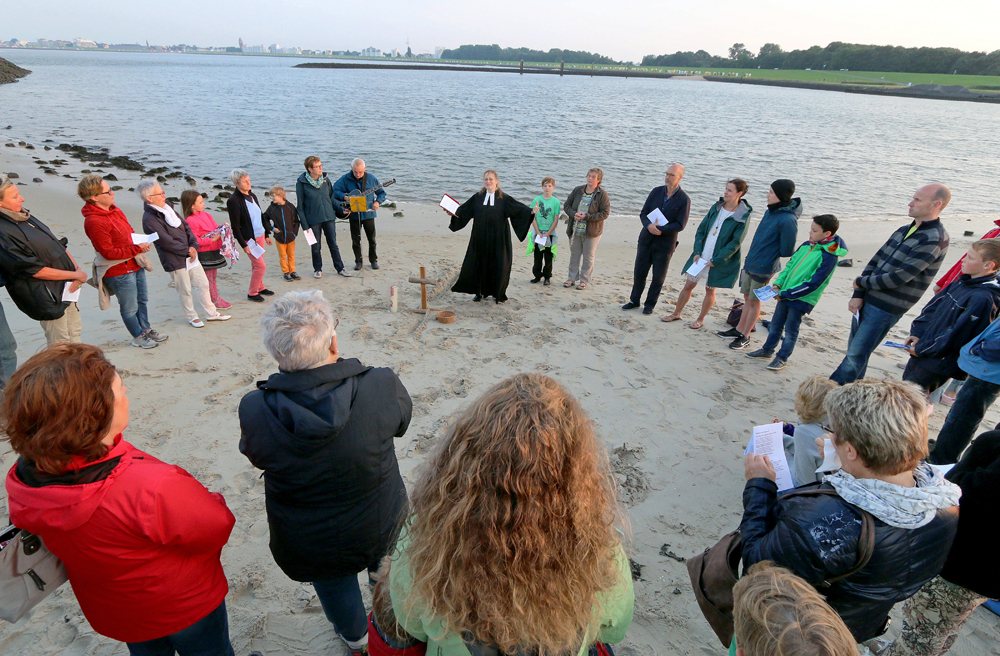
x=486 y=269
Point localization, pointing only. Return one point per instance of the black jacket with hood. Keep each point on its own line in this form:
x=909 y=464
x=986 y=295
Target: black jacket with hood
x=324 y=438
x=26 y=247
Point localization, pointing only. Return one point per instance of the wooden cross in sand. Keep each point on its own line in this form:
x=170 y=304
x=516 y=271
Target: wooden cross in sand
x=423 y=282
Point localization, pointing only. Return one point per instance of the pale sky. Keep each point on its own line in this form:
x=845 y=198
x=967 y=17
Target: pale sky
x=624 y=29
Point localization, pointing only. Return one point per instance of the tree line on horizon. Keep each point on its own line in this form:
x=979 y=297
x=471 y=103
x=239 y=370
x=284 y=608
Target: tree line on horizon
x=496 y=53
x=838 y=55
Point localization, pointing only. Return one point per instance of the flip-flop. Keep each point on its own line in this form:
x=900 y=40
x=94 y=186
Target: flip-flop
x=582 y=285
x=568 y=283
x=694 y=327
x=670 y=318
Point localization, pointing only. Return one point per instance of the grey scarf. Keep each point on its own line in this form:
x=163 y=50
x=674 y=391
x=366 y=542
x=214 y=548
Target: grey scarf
x=902 y=507
x=23 y=215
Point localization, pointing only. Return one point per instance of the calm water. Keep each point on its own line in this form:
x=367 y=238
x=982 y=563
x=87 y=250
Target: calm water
x=436 y=131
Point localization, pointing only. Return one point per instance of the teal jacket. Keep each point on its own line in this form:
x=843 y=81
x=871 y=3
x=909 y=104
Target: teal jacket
x=615 y=607
x=809 y=272
x=725 y=267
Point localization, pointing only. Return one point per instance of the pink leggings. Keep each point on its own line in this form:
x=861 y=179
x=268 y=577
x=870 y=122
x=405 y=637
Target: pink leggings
x=213 y=289
x=257 y=268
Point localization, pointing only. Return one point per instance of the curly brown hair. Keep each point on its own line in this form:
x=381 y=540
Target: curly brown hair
x=512 y=528
x=59 y=404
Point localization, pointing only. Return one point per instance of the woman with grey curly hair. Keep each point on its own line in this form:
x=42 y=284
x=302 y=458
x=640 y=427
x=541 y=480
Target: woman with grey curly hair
x=322 y=430
x=245 y=218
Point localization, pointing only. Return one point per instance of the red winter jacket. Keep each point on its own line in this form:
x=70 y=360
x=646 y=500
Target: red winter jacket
x=140 y=539
x=111 y=234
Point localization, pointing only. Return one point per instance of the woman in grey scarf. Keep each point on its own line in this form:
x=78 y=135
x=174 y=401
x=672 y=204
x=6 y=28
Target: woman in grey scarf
x=879 y=430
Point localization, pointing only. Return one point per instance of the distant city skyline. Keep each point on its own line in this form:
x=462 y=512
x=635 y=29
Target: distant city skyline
x=625 y=30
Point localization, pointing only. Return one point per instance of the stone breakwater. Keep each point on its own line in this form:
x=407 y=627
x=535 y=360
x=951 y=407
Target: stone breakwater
x=11 y=72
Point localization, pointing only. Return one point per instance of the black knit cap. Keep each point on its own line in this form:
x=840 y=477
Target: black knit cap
x=783 y=189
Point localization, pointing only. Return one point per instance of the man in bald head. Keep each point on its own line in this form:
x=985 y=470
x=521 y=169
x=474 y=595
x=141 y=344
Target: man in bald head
x=658 y=240
x=895 y=279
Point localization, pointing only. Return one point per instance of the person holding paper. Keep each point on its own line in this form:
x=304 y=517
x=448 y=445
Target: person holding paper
x=716 y=246
x=774 y=239
x=359 y=180
x=588 y=207
x=895 y=278
x=314 y=197
x=38 y=269
x=120 y=263
x=799 y=287
x=177 y=248
x=209 y=248
x=246 y=219
x=542 y=239
x=671 y=206
x=879 y=430
x=486 y=268
x=282 y=220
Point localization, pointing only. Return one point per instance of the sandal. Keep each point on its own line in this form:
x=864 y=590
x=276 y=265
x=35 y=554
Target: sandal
x=582 y=285
x=669 y=318
x=568 y=283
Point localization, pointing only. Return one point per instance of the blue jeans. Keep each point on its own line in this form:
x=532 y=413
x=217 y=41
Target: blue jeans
x=971 y=404
x=329 y=228
x=866 y=335
x=786 y=319
x=8 y=350
x=341 y=601
x=132 y=298
x=206 y=637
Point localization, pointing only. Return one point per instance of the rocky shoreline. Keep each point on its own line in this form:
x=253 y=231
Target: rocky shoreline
x=927 y=91
x=10 y=73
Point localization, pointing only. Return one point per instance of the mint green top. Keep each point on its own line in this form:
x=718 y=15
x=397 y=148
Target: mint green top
x=615 y=606
x=548 y=210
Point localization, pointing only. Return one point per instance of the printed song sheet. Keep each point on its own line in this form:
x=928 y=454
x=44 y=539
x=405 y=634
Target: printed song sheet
x=765 y=293
x=144 y=239
x=310 y=237
x=255 y=249
x=72 y=297
x=768 y=441
x=656 y=216
x=697 y=267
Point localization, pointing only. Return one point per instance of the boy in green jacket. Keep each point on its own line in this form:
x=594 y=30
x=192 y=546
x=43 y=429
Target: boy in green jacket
x=799 y=287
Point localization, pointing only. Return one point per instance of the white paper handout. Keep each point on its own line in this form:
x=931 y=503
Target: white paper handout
x=310 y=237
x=144 y=239
x=697 y=267
x=542 y=240
x=72 y=297
x=765 y=293
x=255 y=249
x=656 y=216
x=190 y=265
x=769 y=441
x=449 y=204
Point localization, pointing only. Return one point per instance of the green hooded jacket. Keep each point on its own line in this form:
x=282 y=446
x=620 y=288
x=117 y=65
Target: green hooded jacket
x=809 y=271
x=725 y=267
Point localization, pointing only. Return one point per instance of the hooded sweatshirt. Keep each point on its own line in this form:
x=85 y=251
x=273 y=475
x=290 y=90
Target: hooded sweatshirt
x=111 y=234
x=809 y=272
x=140 y=539
x=774 y=239
x=332 y=488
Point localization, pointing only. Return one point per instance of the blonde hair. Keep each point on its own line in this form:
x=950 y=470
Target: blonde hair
x=5 y=184
x=511 y=533
x=499 y=191
x=884 y=420
x=776 y=613
x=89 y=187
x=988 y=249
x=278 y=190
x=809 y=398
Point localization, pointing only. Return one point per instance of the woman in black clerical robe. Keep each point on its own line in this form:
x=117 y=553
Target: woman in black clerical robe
x=486 y=269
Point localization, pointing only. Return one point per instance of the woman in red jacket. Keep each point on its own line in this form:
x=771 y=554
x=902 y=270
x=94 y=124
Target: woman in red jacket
x=140 y=539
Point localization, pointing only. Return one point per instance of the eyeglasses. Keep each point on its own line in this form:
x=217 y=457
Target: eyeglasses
x=826 y=428
x=336 y=322
x=109 y=192
x=159 y=193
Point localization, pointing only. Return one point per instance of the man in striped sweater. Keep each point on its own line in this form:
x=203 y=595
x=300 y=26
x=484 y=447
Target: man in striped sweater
x=895 y=279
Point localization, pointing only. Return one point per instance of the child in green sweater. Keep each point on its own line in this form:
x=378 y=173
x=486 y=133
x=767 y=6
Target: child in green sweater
x=546 y=217
x=799 y=287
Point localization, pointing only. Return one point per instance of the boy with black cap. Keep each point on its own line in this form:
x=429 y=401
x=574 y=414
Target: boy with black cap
x=775 y=238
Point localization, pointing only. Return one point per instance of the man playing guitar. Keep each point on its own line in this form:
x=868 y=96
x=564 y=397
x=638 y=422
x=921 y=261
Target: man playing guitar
x=358 y=183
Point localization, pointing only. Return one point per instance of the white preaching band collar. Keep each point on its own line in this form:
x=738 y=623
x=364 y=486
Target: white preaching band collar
x=489 y=198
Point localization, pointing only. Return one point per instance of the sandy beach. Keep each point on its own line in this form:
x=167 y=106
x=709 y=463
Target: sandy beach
x=674 y=406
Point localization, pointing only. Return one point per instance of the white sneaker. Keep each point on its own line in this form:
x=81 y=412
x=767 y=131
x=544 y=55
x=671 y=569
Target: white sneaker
x=317 y=274
x=219 y=317
x=197 y=323
x=345 y=273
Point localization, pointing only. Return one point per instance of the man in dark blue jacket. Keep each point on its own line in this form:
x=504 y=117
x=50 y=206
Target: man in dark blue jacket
x=775 y=238
x=953 y=317
x=657 y=241
x=357 y=183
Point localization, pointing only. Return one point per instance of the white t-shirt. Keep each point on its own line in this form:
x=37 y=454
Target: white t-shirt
x=708 y=250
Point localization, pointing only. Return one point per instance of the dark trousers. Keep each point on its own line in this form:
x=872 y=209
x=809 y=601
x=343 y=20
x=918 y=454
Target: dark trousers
x=543 y=263
x=369 y=226
x=206 y=637
x=787 y=319
x=652 y=253
x=927 y=379
x=971 y=404
x=328 y=228
x=342 y=604
x=866 y=335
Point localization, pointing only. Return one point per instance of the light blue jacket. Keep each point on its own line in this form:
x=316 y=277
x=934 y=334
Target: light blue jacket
x=981 y=356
